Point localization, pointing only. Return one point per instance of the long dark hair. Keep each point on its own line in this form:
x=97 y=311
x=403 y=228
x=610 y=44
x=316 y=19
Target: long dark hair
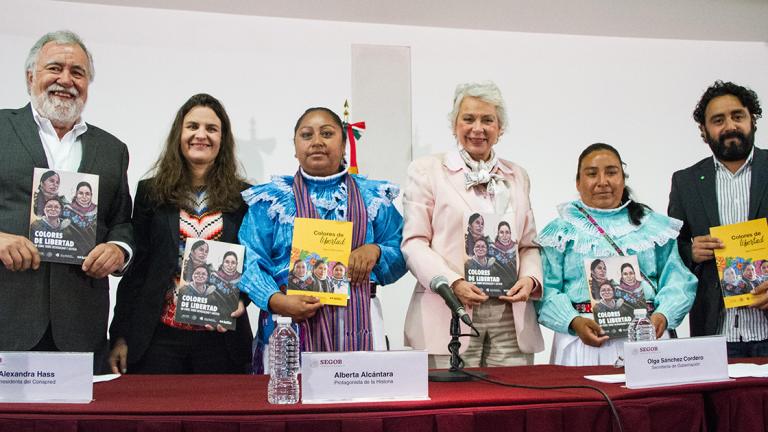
x=636 y=210
x=172 y=181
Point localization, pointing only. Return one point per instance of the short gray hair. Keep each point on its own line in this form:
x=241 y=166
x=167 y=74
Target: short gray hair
x=486 y=91
x=60 y=37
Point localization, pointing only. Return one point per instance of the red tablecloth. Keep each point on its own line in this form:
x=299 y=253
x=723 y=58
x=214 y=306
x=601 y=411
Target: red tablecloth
x=238 y=403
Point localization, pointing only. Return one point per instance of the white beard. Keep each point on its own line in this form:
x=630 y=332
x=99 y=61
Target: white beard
x=59 y=111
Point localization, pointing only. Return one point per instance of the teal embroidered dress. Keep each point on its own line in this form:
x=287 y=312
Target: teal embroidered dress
x=570 y=238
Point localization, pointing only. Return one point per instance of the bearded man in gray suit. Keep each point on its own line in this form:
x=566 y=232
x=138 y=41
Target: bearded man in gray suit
x=48 y=306
x=729 y=187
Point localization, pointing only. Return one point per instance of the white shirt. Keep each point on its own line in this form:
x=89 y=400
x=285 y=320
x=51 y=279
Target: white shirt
x=64 y=154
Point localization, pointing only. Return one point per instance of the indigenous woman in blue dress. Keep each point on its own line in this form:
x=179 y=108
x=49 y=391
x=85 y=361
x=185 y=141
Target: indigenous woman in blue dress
x=322 y=189
x=607 y=222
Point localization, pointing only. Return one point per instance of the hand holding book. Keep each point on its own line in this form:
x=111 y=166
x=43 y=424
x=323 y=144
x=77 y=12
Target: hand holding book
x=588 y=331
x=761 y=296
x=703 y=248
x=18 y=253
x=103 y=260
x=298 y=307
x=361 y=262
x=468 y=293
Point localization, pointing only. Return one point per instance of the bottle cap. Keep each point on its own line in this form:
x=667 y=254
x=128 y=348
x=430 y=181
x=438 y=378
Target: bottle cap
x=639 y=313
x=282 y=319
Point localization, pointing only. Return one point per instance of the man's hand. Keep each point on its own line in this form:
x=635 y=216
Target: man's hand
x=659 y=322
x=588 y=331
x=118 y=357
x=18 y=253
x=703 y=248
x=103 y=260
x=361 y=262
x=298 y=307
x=520 y=291
x=761 y=296
x=469 y=294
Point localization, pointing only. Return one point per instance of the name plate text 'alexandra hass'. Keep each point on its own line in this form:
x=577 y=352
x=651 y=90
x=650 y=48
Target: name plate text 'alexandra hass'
x=55 y=377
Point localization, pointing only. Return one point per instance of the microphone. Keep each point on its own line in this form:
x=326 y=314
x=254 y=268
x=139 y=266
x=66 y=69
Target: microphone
x=439 y=285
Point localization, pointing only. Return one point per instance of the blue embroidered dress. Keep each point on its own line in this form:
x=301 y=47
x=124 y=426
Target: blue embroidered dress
x=267 y=230
x=571 y=238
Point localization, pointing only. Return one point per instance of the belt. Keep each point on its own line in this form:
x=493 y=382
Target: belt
x=586 y=307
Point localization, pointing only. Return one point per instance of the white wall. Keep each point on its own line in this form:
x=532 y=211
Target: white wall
x=564 y=92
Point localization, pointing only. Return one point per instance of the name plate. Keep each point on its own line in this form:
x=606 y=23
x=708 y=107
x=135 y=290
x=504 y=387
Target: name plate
x=54 y=377
x=675 y=361
x=363 y=376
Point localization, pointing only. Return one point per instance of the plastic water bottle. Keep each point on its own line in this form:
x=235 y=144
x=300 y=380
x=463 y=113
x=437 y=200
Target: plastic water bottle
x=638 y=313
x=641 y=328
x=283 y=363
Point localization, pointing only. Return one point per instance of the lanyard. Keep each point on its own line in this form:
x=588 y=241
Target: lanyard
x=610 y=240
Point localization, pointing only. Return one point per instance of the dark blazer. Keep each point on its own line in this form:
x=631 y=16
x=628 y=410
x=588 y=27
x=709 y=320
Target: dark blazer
x=141 y=293
x=76 y=305
x=693 y=199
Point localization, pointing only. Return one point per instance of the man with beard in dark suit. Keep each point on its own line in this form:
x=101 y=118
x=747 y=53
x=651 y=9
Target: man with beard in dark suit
x=49 y=306
x=730 y=187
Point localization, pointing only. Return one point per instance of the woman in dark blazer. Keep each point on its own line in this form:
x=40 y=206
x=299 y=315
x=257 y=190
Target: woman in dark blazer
x=195 y=193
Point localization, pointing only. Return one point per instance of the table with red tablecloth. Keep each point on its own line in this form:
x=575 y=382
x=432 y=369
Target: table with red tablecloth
x=238 y=403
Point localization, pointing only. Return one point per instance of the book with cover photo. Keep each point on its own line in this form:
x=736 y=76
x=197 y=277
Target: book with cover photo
x=319 y=258
x=209 y=289
x=616 y=289
x=62 y=214
x=742 y=263
x=490 y=252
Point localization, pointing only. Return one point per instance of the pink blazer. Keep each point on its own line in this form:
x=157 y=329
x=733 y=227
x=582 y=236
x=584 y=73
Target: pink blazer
x=434 y=204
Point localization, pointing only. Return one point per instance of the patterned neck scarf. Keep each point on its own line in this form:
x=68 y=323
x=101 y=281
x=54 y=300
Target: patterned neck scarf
x=482 y=173
x=320 y=333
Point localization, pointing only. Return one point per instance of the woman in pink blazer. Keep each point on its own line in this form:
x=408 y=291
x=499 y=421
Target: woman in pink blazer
x=444 y=195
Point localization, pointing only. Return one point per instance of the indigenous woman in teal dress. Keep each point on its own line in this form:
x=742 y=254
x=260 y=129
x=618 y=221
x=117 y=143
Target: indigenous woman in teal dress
x=322 y=189
x=634 y=229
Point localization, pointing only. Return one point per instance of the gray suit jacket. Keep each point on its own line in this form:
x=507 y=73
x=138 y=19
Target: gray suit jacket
x=76 y=306
x=693 y=199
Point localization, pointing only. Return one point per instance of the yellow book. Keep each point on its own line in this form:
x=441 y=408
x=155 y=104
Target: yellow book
x=319 y=257
x=740 y=262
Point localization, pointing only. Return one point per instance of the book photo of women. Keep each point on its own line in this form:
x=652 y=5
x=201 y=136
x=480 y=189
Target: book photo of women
x=504 y=251
x=198 y=285
x=47 y=188
x=320 y=276
x=51 y=220
x=475 y=231
x=81 y=211
x=631 y=289
x=749 y=278
x=764 y=271
x=227 y=280
x=597 y=276
x=197 y=256
x=731 y=284
x=299 y=279
x=479 y=259
x=608 y=302
x=339 y=282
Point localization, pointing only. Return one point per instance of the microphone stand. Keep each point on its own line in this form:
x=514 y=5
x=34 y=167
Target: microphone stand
x=454 y=374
